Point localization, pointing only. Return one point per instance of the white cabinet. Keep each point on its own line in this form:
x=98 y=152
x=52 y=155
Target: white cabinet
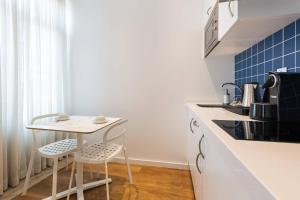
x=228 y=15
x=195 y=154
x=208 y=7
x=244 y=23
x=225 y=178
x=216 y=173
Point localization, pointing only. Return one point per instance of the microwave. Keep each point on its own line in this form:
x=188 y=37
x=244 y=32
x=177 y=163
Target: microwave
x=211 y=32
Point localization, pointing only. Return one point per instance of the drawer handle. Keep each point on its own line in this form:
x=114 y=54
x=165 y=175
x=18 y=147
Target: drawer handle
x=207 y=12
x=230 y=10
x=200 y=147
x=191 y=122
x=197 y=165
x=195 y=123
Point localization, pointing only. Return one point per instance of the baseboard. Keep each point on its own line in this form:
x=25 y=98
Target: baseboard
x=155 y=163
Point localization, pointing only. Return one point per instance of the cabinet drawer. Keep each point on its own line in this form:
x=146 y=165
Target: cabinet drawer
x=193 y=154
x=225 y=178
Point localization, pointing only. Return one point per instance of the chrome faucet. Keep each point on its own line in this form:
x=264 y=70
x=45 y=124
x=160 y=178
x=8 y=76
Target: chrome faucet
x=249 y=93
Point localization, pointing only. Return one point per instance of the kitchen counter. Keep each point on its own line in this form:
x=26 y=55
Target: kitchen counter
x=275 y=165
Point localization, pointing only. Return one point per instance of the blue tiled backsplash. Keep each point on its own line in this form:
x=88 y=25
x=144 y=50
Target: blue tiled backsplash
x=281 y=49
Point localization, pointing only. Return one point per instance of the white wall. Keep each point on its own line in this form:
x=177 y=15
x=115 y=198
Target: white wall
x=141 y=60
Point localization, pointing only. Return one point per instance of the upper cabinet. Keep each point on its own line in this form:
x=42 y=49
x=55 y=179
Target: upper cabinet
x=208 y=8
x=232 y=26
x=228 y=16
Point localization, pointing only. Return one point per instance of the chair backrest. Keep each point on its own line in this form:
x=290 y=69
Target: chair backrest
x=107 y=139
x=35 y=119
x=44 y=116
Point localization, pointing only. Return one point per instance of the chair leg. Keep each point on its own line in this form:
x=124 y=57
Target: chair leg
x=71 y=179
x=29 y=170
x=54 y=181
x=128 y=167
x=106 y=179
x=67 y=160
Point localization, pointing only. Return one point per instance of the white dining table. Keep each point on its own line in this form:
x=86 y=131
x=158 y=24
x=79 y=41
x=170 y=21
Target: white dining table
x=80 y=126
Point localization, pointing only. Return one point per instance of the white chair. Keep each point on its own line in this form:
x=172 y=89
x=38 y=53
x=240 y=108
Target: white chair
x=53 y=151
x=103 y=152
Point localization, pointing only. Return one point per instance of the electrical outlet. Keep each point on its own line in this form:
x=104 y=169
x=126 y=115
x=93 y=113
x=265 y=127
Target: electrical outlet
x=282 y=69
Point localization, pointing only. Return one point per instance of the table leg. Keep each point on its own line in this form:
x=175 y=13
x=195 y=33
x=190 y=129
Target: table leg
x=79 y=171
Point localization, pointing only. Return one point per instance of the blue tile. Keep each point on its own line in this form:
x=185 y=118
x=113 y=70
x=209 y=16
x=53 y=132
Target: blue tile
x=298 y=59
x=243 y=81
x=243 y=55
x=254 y=70
x=261 y=46
x=281 y=49
x=254 y=49
x=268 y=54
x=237 y=92
x=244 y=73
x=298 y=43
x=239 y=74
x=268 y=67
x=261 y=69
x=238 y=66
x=278 y=36
x=261 y=79
x=298 y=26
x=278 y=50
x=248 y=62
x=269 y=42
x=289 y=31
x=289 y=61
x=254 y=78
x=248 y=52
x=277 y=63
x=254 y=60
x=248 y=72
x=240 y=57
x=236 y=59
x=243 y=64
x=289 y=46
x=260 y=57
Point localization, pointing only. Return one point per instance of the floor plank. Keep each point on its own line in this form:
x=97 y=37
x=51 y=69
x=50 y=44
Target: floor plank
x=150 y=183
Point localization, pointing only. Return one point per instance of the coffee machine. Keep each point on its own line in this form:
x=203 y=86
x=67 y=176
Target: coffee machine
x=282 y=89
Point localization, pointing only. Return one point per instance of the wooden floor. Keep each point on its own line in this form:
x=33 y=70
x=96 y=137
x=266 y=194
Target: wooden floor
x=150 y=183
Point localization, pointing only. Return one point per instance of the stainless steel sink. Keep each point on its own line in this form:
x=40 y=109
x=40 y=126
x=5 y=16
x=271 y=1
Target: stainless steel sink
x=212 y=105
x=235 y=109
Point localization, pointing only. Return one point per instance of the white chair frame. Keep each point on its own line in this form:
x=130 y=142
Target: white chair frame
x=105 y=143
x=55 y=157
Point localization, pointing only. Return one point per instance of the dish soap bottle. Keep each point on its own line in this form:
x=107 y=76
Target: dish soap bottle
x=226 y=99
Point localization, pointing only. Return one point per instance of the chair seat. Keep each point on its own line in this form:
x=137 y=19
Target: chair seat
x=59 y=148
x=98 y=153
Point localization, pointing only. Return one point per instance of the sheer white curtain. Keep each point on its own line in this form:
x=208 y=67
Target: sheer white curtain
x=32 y=70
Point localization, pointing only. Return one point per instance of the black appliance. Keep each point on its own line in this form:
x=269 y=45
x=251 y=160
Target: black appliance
x=272 y=131
x=263 y=111
x=283 y=90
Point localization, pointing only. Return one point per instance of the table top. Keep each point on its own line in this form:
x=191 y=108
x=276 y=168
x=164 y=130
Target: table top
x=76 y=124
